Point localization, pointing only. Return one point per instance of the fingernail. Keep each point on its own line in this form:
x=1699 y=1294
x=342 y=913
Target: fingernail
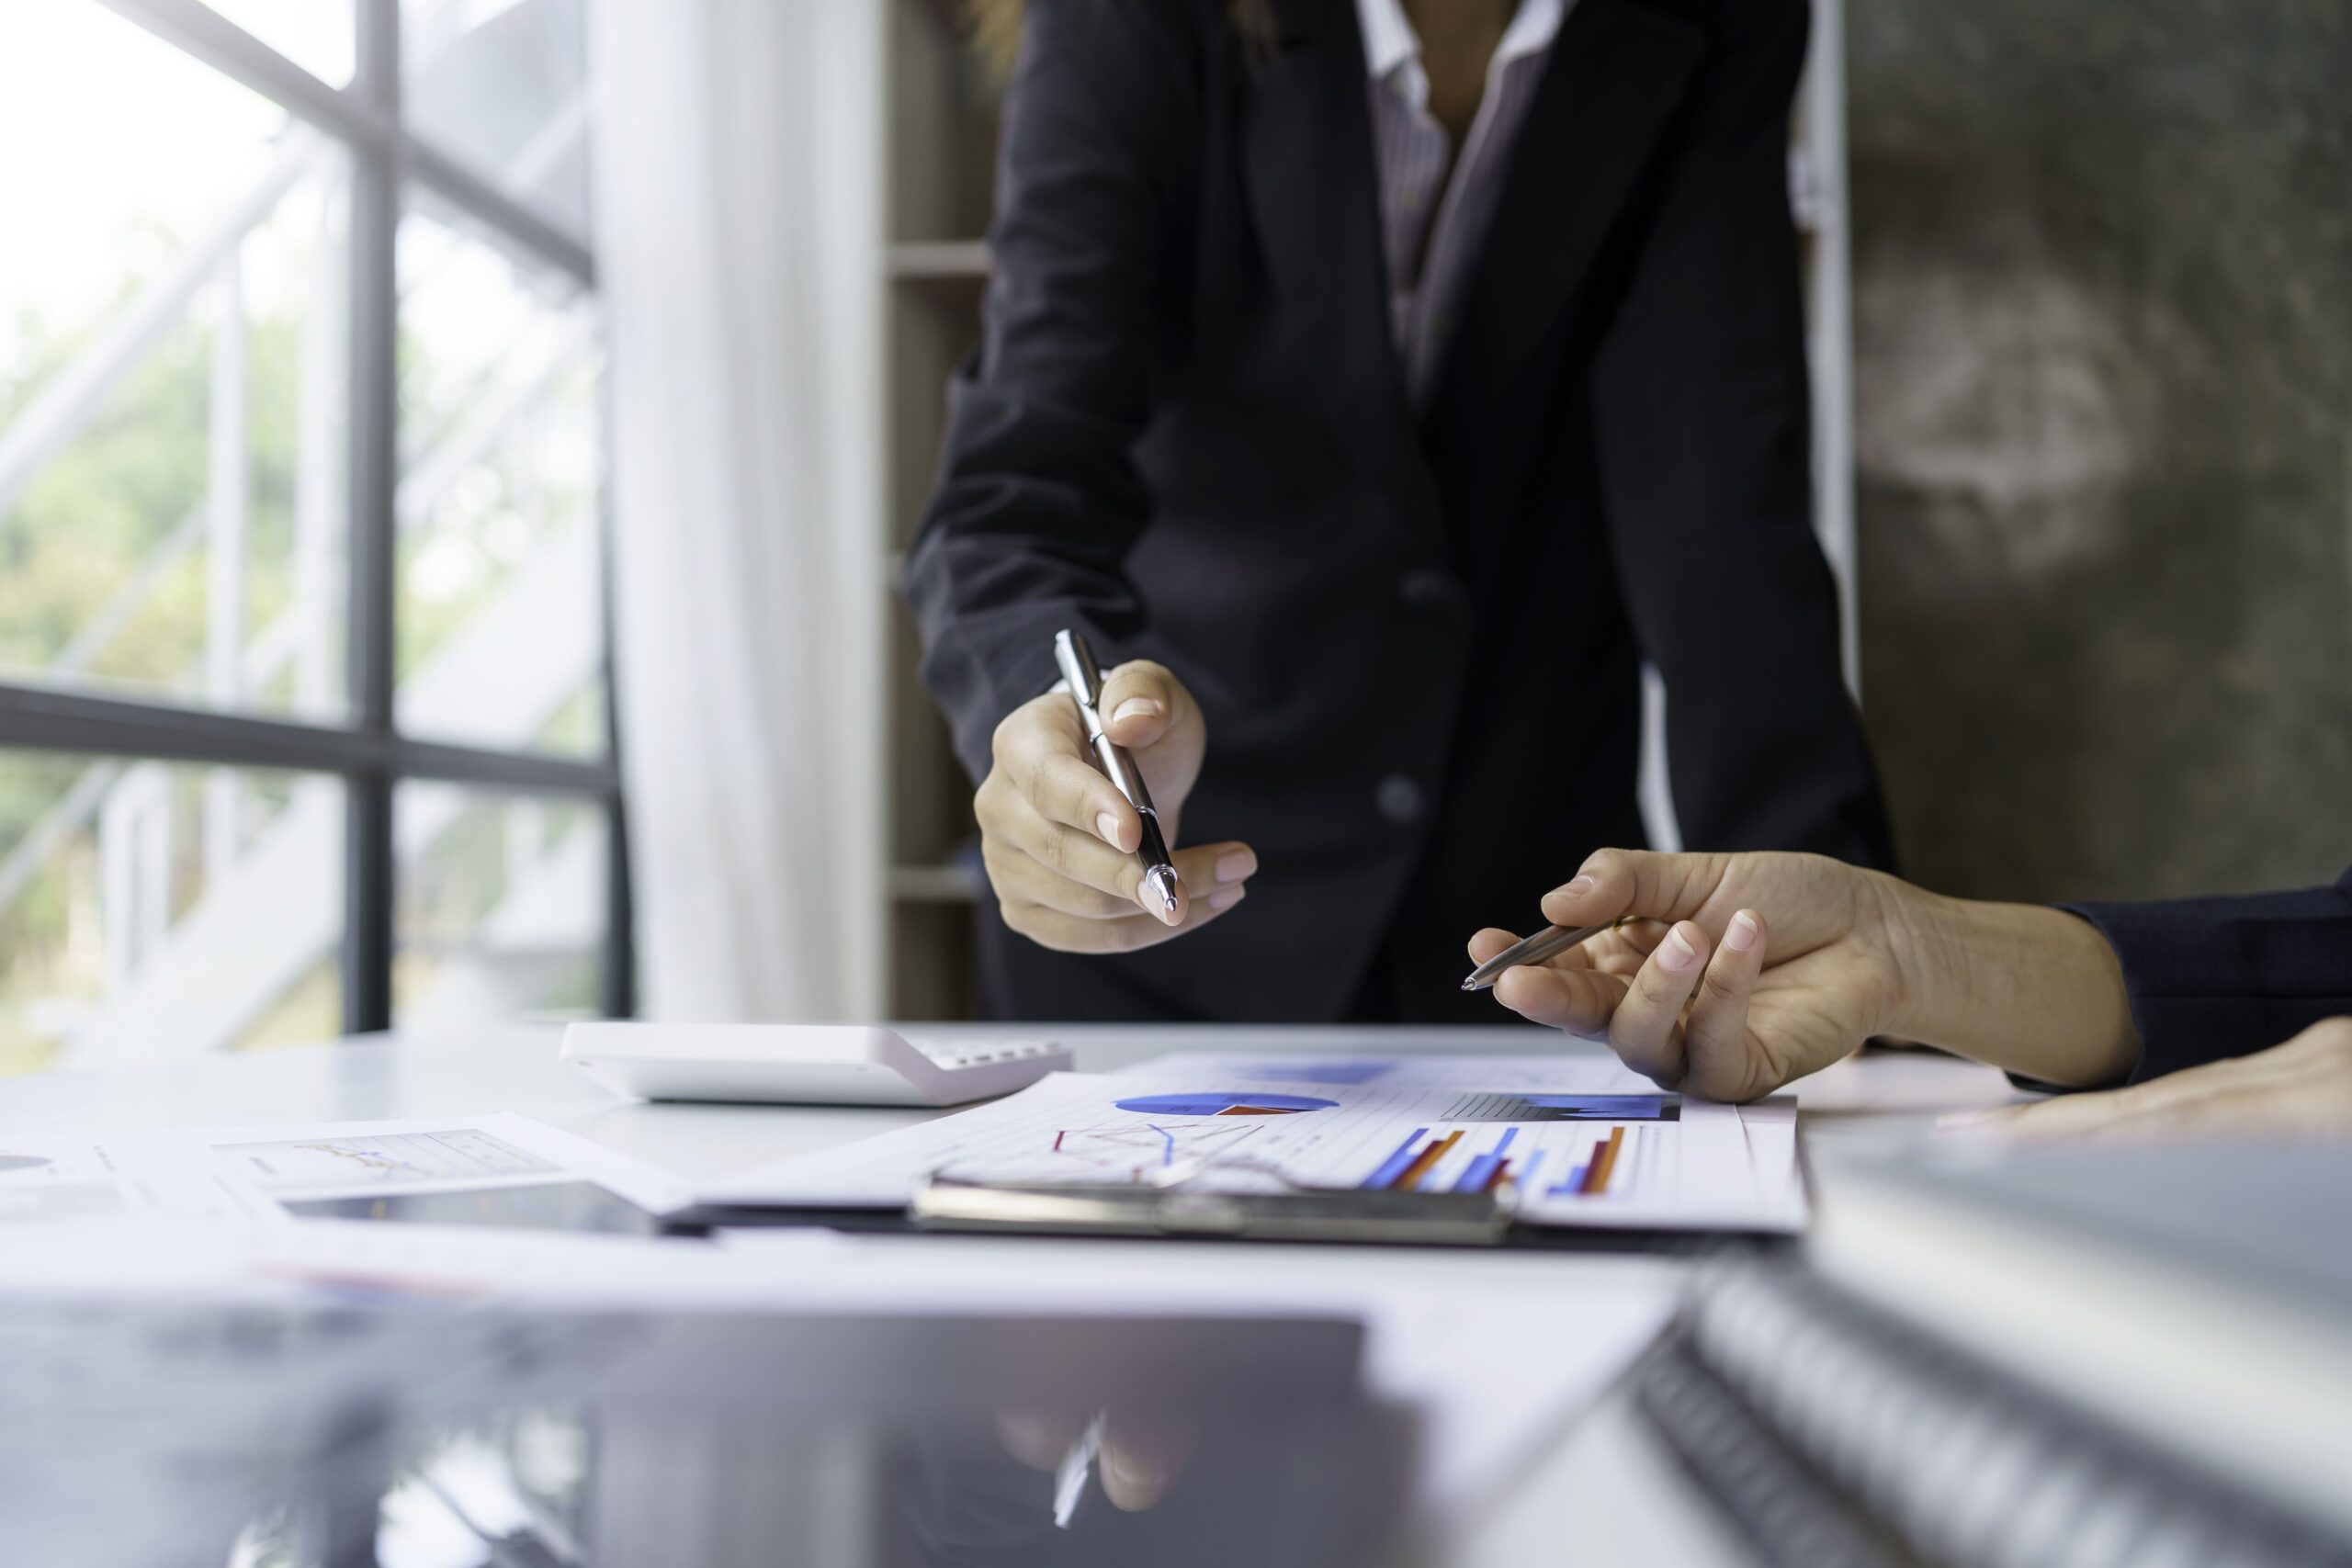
x=1226 y=898
x=1137 y=707
x=1676 y=953
x=1578 y=888
x=1138 y=1482
x=1237 y=866
x=1740 y=935
x=1108 y=826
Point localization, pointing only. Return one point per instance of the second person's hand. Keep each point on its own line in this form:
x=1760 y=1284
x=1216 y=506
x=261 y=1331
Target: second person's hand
x=1763 y=967
x=1058 y=839
x=1726 y=1005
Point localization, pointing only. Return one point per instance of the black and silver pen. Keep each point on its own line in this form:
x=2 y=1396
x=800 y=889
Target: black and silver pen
x=1077 y=662
x=1531 y=949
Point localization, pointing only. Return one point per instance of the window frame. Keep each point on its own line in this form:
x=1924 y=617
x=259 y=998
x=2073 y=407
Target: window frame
x=367 y=752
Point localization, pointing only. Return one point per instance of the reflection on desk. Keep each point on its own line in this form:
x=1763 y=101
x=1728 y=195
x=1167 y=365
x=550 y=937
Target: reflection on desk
x=335 y=1435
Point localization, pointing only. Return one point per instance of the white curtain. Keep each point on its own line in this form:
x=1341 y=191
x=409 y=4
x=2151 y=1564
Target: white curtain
x=738 y=196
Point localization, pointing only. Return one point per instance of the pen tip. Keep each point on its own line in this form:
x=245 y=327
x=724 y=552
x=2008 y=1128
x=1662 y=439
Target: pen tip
x=1163 y=882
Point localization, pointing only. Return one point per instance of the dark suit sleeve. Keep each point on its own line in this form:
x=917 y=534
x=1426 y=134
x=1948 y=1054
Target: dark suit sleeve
x=1038 y=500
x=1703 y=416
x=2215 y=978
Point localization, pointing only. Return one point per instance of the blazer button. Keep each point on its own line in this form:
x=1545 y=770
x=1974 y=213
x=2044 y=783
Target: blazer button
x=1399 y=799
x=1424 y=587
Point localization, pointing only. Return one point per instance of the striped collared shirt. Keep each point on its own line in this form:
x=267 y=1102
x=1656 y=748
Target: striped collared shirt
x=1434 y=223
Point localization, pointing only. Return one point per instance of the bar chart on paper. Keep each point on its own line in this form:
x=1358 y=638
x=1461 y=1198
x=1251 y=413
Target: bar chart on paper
x=1578 y=1139
x=1578 y=1165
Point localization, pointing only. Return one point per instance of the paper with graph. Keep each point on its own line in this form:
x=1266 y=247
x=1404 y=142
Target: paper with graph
x=499 y=1169
x=1579 y=1142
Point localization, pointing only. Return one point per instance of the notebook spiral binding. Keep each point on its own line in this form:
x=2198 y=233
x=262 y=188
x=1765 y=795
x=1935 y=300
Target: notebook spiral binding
x=1833 y=1435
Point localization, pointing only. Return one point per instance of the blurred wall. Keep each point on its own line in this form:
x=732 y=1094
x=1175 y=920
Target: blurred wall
x=2103 y=322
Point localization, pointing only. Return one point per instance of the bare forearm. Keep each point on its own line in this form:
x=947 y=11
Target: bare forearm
x=2029 y=989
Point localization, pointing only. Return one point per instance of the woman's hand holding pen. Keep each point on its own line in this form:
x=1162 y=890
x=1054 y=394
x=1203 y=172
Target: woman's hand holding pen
x=1734 y=973
x=1682 y=991
x=1059 y=840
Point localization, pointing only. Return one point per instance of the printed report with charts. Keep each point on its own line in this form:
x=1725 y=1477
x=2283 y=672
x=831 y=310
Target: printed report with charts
x=1580 y=1141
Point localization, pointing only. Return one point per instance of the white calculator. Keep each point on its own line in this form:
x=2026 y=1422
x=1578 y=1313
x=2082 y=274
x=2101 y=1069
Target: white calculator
x=803 y=1064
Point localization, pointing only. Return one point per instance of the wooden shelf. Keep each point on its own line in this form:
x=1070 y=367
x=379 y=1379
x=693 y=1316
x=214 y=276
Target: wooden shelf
x=920 y=261
x=944 y=100
x=954 y=882
x=949 y=271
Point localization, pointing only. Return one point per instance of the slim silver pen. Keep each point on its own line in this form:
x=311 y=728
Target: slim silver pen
x=1077 y=1468
x=1530 y=950
x=1077 y=662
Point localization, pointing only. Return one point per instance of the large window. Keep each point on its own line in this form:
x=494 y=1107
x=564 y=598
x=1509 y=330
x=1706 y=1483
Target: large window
x=305 y=715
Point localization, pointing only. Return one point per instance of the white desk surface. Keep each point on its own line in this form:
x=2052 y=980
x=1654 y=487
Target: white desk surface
x=1890 y=1096
x=1882 y=1098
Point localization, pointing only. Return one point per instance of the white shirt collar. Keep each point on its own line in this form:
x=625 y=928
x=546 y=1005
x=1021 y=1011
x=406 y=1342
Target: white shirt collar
x=1389 y=40
x=1392 y=50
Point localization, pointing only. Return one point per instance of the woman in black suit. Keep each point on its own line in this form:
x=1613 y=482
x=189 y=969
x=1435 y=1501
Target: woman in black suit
x=1377 y=383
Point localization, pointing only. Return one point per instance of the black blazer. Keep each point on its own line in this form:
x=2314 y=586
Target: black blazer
x=2215 y=978
x=1417 y=642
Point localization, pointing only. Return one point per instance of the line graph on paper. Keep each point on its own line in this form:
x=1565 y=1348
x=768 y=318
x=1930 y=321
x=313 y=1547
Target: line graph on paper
x=1131 y=1151
x=383 y=1160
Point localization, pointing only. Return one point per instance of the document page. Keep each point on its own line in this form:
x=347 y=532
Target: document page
x=502 y=1169
x=62 y=1178
x=1580 y=1141
x=499 y=1169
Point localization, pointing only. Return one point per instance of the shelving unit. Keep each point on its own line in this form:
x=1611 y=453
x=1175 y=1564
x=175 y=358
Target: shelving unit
x=942 y=112
x=950 y=265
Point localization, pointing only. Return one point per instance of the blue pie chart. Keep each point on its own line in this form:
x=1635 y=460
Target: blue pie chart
x=1223 y=1104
